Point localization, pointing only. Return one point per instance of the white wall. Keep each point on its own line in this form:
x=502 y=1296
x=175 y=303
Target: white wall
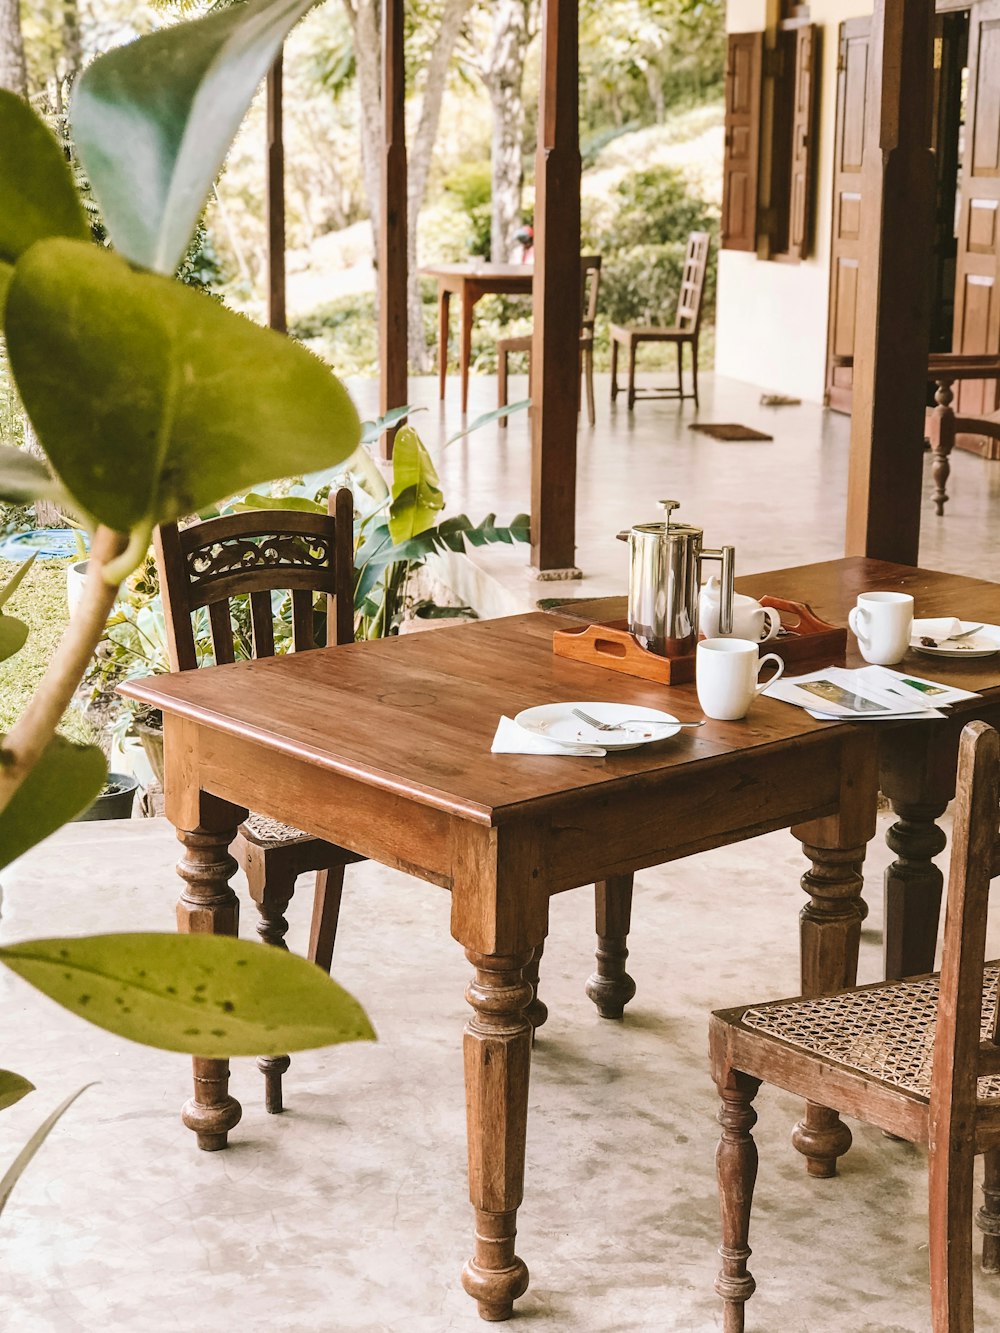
x=771 y=316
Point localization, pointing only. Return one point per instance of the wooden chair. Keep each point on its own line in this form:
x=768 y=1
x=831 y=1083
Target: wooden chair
x=682 y=334
x=252 y=555
x=920 y=1058
x=590 y=285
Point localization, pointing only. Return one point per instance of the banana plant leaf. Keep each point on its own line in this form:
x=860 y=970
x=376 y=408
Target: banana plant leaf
x=416 y=488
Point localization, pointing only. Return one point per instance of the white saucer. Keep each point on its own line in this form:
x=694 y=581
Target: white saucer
x=981 y=644
x=557 y=723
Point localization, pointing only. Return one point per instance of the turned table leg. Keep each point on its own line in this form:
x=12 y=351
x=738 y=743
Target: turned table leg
x=497 y=1058
x=208 y=904
x=537 y=1011
x=611 y=987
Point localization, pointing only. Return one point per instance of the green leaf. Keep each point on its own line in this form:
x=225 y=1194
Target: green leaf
x=6 y=275
x=416 y=491
x=14 y=582
x=24 y=478
x=12 y=1088
x=153 y=121
x=371 y=430
x=298 y=503
x=13 y=636
x=16 y=1169
x=206 y=995
x=63 y=782
x=487 y=418
x=151 y=399
x=36 y=185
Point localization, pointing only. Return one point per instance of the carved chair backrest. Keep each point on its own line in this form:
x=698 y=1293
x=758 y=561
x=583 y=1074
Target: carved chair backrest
x=693 y=282
x=590 y=286
x=254 y=554
x=961 y=1053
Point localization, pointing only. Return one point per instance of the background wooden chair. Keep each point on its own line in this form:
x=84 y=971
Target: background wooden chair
x=683 y=333
x=254 y=554
x=920 y=1058
x=590 y=285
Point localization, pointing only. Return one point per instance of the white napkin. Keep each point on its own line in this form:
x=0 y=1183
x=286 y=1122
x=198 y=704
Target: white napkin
x=513 y=739
x=943 y=627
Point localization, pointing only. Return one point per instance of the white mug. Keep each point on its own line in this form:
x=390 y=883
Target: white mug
x=883 y=623
x=726 y=673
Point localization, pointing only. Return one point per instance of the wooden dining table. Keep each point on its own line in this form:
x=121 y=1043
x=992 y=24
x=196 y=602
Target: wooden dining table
x=384 y=748
x=471 y=282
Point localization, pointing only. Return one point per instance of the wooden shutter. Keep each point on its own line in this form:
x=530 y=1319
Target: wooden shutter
x=977 y=277
x=803 y=149
x=744 y=61
x=849 y=138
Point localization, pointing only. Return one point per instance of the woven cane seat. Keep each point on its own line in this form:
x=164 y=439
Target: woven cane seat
x=267 y=832
x=884 y=1031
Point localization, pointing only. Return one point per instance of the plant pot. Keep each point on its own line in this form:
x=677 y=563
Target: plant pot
x=152 y=745
x=76 y=577
x=115 y=801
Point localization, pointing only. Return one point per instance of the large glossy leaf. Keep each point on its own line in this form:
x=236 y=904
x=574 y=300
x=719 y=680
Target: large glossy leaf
x=416 y=489
x=16 y=1169
x=36 y=186
x=299 y=504
x=63 y=782
x=153 y=121
x=152 y=400
x=203 y=994
x=12 y=1088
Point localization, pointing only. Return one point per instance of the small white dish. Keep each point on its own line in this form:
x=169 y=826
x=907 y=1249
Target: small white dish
x=557 y=723
x=983 y=643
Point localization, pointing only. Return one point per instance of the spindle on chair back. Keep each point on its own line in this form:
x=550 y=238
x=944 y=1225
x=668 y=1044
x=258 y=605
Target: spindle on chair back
x=203 y=569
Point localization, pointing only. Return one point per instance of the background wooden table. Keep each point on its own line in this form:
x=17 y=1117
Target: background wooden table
x=384 y=748
x=471 y=281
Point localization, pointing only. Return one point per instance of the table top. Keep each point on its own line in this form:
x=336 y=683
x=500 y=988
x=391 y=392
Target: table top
x=416 y=714
x=479 y=269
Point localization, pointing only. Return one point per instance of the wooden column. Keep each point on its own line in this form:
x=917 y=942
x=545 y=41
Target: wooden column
x=893 y=317
x=275 y=202
x=392 y=274
x=555 y=371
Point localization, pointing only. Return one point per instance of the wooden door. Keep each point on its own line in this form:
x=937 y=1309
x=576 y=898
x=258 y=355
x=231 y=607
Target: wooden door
x=849 y=138
x=744 y=61
x=977 y=282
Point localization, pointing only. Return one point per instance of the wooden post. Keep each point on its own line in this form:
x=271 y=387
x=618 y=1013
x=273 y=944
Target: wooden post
x=392 y=268
x=275 y=205
x=555 y=356
x=893 y=318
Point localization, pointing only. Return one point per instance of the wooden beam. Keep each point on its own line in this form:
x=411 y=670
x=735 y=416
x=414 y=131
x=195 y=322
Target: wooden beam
x=555 y=371
x=885 y=475
x=275 y=201
x=392 y=268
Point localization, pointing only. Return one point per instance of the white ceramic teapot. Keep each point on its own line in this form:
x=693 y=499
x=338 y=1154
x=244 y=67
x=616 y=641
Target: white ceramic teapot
x=750 y=619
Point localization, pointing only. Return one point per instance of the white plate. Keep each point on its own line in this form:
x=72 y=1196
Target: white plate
x=556 y=721
x=982 y=644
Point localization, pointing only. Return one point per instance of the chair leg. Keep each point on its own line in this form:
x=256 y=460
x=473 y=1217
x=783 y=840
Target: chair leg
x=536 y=1011
x=680 y=370
x=736 y=1167
x=588 y=371
x=614 y=368
x=631 y=374
x=502 y=385
x=611 y=987
x=694 y=370
x=272 y=891
x=949 y=1166
x=325 y=916
x=988 y=1217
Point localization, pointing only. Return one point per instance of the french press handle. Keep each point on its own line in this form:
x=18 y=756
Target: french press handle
x=727 y=556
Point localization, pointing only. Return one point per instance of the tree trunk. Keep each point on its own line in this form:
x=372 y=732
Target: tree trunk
x=13 y=70
x=365 y=22
x=503 y=75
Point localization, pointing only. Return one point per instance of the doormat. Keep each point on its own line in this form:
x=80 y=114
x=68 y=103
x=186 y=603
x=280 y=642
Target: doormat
x=728 y=430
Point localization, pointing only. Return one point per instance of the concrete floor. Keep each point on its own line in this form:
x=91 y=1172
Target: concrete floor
x=349 y=1212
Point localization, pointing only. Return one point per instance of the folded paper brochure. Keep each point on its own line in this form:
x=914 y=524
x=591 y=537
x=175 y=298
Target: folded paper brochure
x=868 y=694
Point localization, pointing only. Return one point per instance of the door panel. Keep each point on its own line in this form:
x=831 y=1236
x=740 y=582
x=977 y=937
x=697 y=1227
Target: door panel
x=742 y=146
x=977 y=300
x=849 y=138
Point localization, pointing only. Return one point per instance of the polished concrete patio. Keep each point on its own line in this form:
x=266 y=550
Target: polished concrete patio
x=349 y=1212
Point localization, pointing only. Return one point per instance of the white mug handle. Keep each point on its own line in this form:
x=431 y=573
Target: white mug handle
x=773 y=621
x=854 y=618
x=768 y=657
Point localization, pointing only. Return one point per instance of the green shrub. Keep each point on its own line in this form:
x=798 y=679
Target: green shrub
x=471 y=187
x=343 y=332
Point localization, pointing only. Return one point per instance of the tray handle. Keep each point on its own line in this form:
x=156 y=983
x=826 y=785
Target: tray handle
x=801 y=618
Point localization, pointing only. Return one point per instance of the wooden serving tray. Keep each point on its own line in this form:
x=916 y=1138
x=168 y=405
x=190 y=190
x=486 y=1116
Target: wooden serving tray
x=612 y=646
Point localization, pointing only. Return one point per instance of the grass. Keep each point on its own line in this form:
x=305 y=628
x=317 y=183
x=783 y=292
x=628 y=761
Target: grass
x=40 y=602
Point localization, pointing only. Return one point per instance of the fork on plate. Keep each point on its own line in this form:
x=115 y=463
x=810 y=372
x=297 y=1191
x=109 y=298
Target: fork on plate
x=623 y=724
